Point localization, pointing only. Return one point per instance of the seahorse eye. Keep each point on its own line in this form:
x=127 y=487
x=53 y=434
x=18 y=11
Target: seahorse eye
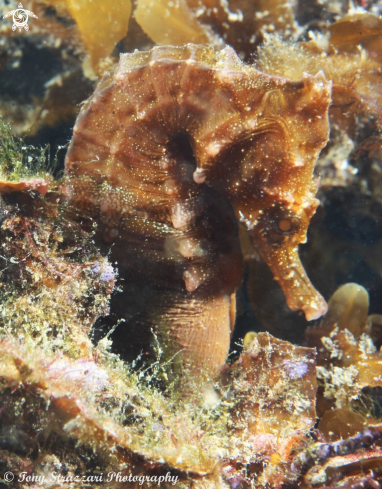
x=279 y=224
x=285 y=225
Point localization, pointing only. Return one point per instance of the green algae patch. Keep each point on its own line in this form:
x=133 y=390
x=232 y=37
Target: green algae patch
x=19 y=162
x=22 y=167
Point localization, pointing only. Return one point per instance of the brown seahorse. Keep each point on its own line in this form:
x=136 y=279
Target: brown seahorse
x=169 y=152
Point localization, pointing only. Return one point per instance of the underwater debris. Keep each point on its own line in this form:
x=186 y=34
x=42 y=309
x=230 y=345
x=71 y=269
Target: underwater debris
x=273 y=385
x=349 y=365
x=251 y=433
x=151 y=157
x=355 y=462
x=349 y=397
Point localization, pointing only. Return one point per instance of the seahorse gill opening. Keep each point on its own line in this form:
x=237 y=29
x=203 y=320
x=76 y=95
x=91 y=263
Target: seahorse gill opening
x=180 y=150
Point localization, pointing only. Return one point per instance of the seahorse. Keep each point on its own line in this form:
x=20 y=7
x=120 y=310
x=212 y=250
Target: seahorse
x=175 y=148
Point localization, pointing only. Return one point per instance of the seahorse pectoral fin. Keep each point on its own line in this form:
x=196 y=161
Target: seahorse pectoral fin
x=289 y=272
